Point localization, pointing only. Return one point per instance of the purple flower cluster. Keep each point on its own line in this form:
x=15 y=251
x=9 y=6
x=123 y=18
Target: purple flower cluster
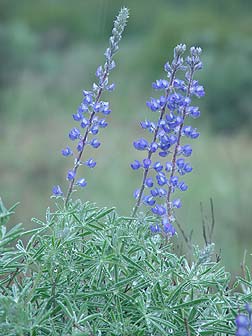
x=164 y=175
x=244 y=322
x=92 y=112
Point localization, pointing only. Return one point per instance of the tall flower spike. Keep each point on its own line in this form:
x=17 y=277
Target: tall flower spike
x=92 y=112
x=162 y=177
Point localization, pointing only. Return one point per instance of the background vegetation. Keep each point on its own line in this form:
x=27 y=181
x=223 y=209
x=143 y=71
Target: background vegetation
x=49 y=50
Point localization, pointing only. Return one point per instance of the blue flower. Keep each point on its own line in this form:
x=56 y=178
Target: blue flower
x=154 y=228
x=168 y=69
x=94 y=129
x=163 y=154
x=99 y=72
x=95 y=143
x=97 y=107
x=146 y=163
x=141 y=144
x=84 y=123
x=111 y=87
x=169 y=229
x=176 y=203
x=90 y=163
x=187 y=150
x=79 y=146
x=180 y=84
x=153 y=104
x=182 y=186
x=187 y=168
x=158 y=166
x=180 y=163
x=161 y=179
x=153 y=147
x=160 y=84
x=71 y=175
x=77 y=116
x=194 y=134
x=67 y=151
x=135 y=165
x=149 y=182
x=81 y=182
x=168 y=166
x=149 y=200
x=174 y=180
x=162 y=192
x=74 y=134
x=154 y=192
x=193 y=111
x=150 y=126
x=136 y=193
x=56 y=190
x=105 y=108
x=197 y=90
x=103 y=123
x=82 y=108
x=159 y=210
x=88 y=97
x=187 y=130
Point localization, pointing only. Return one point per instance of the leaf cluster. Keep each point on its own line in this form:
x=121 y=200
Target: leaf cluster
x=87 y=271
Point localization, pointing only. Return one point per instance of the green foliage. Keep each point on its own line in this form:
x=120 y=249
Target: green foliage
x=87 y=271
x=7 y=236
x=41 y=83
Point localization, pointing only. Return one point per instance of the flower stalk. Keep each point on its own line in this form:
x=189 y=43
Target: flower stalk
x=162 y=178
x=150 y=152
x=176 y=151
x=91 y=112
x=84 y=141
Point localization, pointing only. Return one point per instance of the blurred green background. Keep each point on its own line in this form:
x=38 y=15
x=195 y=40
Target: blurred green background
x=49 y=51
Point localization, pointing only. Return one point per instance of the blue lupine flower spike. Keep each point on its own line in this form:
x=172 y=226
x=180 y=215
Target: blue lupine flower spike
x=154 y=105
x=194 y=63
x=92 y=112
x=161 y=177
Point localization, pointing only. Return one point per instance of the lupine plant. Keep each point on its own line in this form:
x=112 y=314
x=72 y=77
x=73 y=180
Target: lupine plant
x=162 y=179
x=88 y=271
